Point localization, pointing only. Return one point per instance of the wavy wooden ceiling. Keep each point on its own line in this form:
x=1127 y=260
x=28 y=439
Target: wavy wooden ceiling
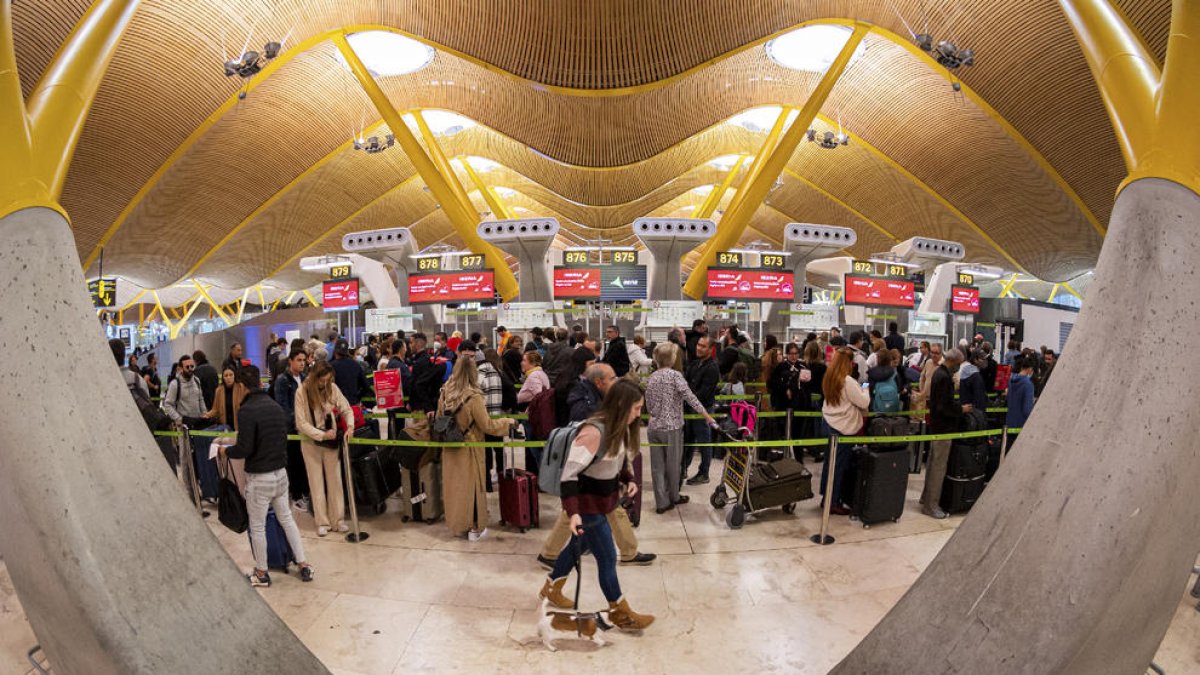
x=690 y=64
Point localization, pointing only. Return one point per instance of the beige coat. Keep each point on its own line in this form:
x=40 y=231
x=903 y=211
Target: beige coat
x=920 y=398
x=305 y=419
x=463 y=469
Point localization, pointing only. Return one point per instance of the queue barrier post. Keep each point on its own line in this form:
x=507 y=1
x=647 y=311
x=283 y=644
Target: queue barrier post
x=1003 y=443
x=823 y=538
x=356 y=535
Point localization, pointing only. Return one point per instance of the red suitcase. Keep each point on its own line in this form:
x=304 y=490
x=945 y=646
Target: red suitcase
x=518 y=497
x=634 y=506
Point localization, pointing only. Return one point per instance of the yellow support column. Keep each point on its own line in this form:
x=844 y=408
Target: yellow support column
x=1152 y=109
x=38 y=138
x=709 y=206
x=463 y=221
x=310 y=299
x=211 y=303
x=764 y=153
x=489 y=195
x=442 y=163
x=737 y=217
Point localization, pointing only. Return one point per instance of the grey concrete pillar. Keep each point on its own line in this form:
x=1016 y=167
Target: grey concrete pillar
x=115 y=569
x=669 y=240
x=1074 y=559
x=528 y=240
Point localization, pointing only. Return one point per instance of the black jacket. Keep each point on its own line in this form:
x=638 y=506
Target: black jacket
x=262 y=434
x=426 y=384
x=703 y=379
x=583 y=400
x=972 y=390
x=348 y=375
x=944 y=412
x=785 y=378
x=691 y=337
x=208 y=377
x=285 y=396
x=894 y=341
x=617 y=356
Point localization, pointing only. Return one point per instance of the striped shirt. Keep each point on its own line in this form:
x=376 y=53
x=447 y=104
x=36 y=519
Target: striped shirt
x=591 y=483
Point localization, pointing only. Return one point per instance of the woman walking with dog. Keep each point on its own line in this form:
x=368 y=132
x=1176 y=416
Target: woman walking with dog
x=598 y=470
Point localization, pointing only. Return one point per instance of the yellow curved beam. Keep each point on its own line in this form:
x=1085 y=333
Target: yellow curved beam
x=279 y=194
x=709 y=205
x=1152 y=110
x=883 y=157
x=489 y=195
x=853 y=211
x=734 y=222
x=342 y=223
x=464 y=221
x=314 y=40
x=38 y=136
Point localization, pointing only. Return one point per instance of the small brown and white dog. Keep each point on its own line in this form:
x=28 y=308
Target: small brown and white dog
x=557 y=624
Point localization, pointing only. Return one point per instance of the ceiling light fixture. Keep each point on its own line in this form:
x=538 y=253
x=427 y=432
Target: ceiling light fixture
x=386 y=54
x=250 y=63
x=321 y=263
x=946 y=52
x=811 y=48
x=373 y=145
x=885 y=260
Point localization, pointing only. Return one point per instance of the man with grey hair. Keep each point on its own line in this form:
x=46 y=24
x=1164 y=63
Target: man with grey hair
x=585 y=397
x=945 y=415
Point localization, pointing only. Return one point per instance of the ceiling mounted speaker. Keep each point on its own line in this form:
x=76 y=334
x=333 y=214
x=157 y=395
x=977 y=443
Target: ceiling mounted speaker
x=679 y=228
x=924 y=249
x=819 y=235
x=508 y=230
x=378 y=240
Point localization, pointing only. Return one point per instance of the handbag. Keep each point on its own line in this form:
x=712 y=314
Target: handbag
x=330 y=423
x=231 y=505
x=445 y=428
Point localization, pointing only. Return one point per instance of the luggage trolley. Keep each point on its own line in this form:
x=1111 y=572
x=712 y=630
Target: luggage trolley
x=754 y=485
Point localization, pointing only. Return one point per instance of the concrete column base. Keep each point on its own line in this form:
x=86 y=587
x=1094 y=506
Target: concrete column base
x=1074 y=559
x=114 y=567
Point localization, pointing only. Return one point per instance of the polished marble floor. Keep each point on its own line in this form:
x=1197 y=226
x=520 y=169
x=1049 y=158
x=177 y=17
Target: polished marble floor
x=760 y=599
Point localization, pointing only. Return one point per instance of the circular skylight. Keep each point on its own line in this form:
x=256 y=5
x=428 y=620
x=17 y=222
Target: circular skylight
x=811 y=48
x=482 y=164
x=445 y=123
x=386 y=54
x=724 y=162
x=761 y=119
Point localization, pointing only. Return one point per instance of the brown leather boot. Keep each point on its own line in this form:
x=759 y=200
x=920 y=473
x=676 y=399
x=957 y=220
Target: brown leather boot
x=552 y=591
x=626 y=619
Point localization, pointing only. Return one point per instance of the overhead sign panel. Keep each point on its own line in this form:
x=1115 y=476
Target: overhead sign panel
x=104 y=292
x=451 y=287
x=876 y=292
x=340 y=296
x=750 y=285
x=964 y=299
x=606 y=283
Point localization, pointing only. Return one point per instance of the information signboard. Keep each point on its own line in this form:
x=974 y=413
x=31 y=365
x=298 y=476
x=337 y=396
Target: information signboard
x=387 y=389
x=964 y=299
x=877 y=292
x=750 y=285
x=451 y=287
x=340 y=296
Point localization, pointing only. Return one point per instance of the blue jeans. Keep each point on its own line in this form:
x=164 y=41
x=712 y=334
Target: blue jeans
x=598 y=536
x=695 y=432
x=839 y=472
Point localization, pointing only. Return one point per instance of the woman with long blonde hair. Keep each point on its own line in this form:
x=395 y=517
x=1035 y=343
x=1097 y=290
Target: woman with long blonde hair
x=319 y=404
x=845 y=405
x=464 y=470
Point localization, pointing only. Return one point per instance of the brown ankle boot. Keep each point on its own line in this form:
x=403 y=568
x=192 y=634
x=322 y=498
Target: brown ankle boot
x=552 y=591
x=626 y=619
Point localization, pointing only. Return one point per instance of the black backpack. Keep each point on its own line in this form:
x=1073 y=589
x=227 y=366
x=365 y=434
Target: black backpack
x=152 y=415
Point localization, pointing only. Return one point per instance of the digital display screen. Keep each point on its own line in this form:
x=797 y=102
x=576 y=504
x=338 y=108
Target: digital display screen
x=964 y=299
x=877 y=292
x=608 y=283
x=750 y=285
x=340 y=296
x=451 y=287
x=576 y=283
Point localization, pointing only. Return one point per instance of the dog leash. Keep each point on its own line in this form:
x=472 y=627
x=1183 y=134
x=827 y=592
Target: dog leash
x=578 y=579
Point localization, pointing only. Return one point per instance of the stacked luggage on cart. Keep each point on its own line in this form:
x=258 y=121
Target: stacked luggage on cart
x=754 y=485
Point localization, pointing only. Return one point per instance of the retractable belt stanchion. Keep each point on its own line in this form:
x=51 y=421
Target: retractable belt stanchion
x=356 y=535
x=823 y=538
x=1003 y=443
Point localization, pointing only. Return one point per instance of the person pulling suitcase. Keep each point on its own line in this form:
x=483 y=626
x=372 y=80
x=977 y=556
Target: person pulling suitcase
x=262 y=442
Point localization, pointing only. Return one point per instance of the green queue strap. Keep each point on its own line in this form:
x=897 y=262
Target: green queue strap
x=783 y=443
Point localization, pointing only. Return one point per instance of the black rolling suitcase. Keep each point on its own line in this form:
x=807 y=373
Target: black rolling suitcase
x=965 y=474
x=377 y=476
x=880 y=484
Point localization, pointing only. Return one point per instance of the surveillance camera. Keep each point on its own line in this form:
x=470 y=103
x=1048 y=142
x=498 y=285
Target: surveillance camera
x=271 y=50
x=925 y=42
x=956 y=85
x=230 y=68
x=242 y=95
x=812 y=135
x=967 y=57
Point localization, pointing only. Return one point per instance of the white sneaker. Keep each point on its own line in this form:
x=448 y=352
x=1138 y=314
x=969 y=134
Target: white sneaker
x=322 y=531
x=343 y=527
x=476 y=535
x=301 y=504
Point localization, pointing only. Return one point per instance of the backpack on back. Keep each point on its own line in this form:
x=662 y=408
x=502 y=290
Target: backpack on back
x=887 y=396
x=152 y=415
x=542 y=417
x=753 y=365
x=554 y=456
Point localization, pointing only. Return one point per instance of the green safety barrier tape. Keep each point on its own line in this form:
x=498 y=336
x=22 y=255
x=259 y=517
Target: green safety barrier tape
x=736 y=397
x=865 y=440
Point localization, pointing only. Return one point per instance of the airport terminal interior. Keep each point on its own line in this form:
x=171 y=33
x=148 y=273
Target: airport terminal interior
x=793 y=336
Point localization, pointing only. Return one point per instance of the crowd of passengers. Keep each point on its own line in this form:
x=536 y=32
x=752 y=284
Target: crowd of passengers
x=314 y=382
